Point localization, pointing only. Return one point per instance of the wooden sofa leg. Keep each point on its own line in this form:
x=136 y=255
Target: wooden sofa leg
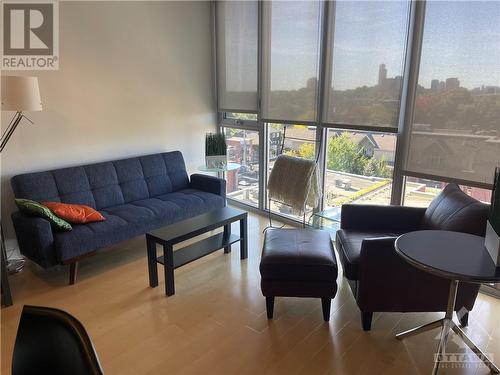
x=73 y=272
x=326 y=303
x=464 y=320
x=366 y=320
x=270 y=307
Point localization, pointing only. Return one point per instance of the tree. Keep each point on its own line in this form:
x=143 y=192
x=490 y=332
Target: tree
x=306 y=151
x=377 y=168
x=344 y=155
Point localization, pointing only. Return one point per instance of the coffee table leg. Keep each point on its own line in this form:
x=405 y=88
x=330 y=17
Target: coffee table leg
x=227 y=234
x=244 y=238
x=152 y=267
x=168 y=266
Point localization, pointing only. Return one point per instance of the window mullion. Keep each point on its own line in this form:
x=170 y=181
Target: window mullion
x=408 y=96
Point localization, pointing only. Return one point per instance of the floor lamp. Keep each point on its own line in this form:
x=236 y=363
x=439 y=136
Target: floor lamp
x=19 y=94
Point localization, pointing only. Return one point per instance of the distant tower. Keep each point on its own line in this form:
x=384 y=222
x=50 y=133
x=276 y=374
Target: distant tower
x=382 y=74
x=312 y=83
x=452 y=83
x=435 y=85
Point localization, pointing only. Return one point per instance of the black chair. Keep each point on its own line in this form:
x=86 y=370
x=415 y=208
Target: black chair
x=51 y=341
x=379 y=278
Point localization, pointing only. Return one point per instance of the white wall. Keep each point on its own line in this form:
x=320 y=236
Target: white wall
x=134 y=78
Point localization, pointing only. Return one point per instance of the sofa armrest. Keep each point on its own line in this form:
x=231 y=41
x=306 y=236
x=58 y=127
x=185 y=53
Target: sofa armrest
x=388 y=283
x=209 y=184
x=35 y=239
x=381 y=218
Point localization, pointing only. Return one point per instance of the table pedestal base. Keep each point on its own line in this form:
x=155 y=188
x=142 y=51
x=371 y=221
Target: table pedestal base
x=447 y=325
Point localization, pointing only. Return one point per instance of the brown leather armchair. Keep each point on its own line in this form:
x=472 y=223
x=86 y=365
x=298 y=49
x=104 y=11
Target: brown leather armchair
x=382 y=281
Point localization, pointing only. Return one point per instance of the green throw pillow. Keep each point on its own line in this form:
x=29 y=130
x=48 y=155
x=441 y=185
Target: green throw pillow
x=36 y=209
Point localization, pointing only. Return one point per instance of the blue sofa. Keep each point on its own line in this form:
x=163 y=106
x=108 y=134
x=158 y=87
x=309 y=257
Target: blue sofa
x=135 y=195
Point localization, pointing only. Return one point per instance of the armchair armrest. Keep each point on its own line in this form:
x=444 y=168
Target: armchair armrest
x=388 y=283
x=382 y=218
x=209 y=184
x=35 y=239
x=385 y=279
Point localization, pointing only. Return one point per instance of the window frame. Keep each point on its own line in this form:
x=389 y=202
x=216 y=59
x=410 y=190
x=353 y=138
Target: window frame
x=264 y=67
x=409 y=94
x=327 y=68
x=411 y=62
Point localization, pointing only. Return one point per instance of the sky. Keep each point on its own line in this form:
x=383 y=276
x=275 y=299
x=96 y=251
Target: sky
x=461 y=39
x=366 y=35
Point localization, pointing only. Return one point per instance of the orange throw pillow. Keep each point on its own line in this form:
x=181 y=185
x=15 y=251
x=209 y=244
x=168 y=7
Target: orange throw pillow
x=74 y=213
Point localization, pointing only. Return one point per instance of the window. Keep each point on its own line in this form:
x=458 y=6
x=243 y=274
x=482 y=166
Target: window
x=237 y=30
x=456 y=131
x=419 y=192
x=243 y=148
x=359 y=167
x=241 y=116
x=296 y=140
x=291 y=50
x=351 y=59
x=368 y=52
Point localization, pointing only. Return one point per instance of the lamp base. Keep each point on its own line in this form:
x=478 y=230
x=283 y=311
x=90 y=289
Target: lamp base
x=15 y=266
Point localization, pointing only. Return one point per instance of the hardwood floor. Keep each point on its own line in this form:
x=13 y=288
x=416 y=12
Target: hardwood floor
x=216 y=323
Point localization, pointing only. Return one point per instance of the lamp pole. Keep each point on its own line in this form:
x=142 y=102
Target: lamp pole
x=11 y=128
x=19 y=93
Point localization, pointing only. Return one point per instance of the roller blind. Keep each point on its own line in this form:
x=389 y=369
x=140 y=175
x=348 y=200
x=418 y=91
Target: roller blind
x=290 y=66
x=365 y=63
x=237 y=34
x=456 y=125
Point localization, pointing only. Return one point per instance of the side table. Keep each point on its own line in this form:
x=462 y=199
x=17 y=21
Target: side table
x=459 y=257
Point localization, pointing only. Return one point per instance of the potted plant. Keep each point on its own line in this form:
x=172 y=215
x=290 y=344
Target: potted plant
x=492 y=240
x=215 y=150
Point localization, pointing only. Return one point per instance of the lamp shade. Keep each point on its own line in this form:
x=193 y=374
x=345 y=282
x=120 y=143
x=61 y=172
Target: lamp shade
x=20 y=93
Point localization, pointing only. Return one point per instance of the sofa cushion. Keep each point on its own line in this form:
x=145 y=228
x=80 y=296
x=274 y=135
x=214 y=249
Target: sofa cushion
x=156 y=175
x=131 y=179
x=38 y=186
x=73 y=186
x=132 y=219
x=160 y=208
x=32 y=208
x=298 y=255
x=106 y=184
x=192 y=202
x=74 y=213
x=454 y=210
x=349 y=243
x=140 y=216
x=176 y=169
x=89 y=237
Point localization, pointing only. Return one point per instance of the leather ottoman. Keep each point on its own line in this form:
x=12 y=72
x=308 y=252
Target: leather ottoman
x=298 y=263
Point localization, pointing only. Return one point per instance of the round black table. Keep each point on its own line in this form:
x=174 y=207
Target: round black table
x=459 y=257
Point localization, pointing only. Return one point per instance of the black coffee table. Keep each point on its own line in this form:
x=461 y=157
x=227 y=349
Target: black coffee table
x=172 y=234
x=459 y=257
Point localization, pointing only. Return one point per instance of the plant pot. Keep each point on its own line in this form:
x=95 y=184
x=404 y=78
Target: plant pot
x=216 y=161
x=492 y=243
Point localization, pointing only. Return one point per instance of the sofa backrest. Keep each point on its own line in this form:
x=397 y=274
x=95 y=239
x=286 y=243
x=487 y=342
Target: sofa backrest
x=106 y=184
x=454 y=210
